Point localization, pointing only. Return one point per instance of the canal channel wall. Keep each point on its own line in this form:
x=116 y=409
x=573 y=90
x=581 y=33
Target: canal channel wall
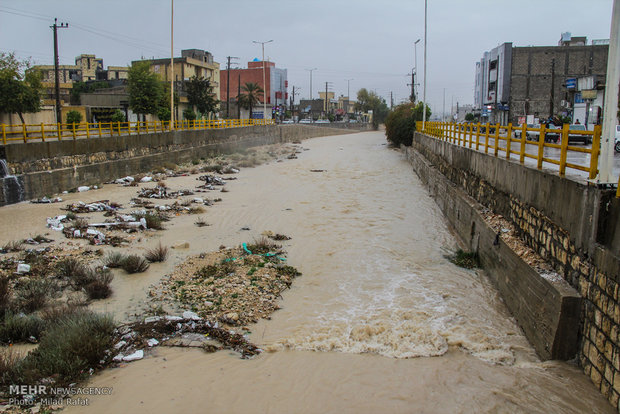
x=38 y=169
x=572 y=226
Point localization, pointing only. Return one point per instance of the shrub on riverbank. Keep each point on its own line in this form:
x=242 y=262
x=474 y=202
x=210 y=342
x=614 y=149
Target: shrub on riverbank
x=400 y=123
x=71 y=346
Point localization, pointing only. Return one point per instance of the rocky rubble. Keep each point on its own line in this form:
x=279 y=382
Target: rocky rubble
x=231 y=286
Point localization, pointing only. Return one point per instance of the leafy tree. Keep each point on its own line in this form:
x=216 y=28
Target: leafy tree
x=418 y=110
x=469 y=117
x=250 y=96
x=370 y=101
x=20 y=86
x=74 y=117
x=145 y=89
x=200 y=95
x=118 y=116
x=400 y=124
x=163 y=109
x=189 y=114
x=84 y=87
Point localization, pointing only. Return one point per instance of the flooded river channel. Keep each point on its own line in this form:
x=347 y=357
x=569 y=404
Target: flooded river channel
x=380 y=321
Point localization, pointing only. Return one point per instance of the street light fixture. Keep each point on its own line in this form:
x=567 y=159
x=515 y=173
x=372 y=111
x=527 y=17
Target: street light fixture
x=313 y=69
x=415 y=48
x=348 y=96
x=264 y=84
x=424 y=95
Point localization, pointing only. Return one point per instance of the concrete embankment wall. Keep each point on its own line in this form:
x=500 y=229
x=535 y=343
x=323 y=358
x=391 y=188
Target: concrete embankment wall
x=572 y=226
x=46 y=168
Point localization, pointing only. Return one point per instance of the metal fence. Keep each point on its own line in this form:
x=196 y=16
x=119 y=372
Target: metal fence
x=44 y=132
x=524 y=143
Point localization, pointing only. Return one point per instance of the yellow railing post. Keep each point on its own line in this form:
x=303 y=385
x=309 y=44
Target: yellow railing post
x=508 y=140
x=486 y=138
x=58 y=131
x=99 y=128
x=496 y=138
x=541 y=146
x=522 y=149
x=73 y=129
x=596 y=142
x=564 y=149
x=4 y=134
x=477 y=136
x=87 y=131
x=42 y=132
x=138 y=127
x=118 y=127
x=25 y=132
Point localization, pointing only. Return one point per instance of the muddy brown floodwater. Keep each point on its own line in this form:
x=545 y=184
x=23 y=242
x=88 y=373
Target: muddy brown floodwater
x=380 y=321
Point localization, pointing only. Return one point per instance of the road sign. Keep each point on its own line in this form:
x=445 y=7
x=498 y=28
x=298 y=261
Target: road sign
x=571 y=83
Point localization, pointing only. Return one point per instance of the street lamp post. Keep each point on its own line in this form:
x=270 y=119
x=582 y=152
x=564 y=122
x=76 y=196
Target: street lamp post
x=415 y=48
x=313 y=69
x=264 y=84
x=424 y=96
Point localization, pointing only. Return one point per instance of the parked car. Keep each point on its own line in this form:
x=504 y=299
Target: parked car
x=519 y=129
x=585 y=139
x=322 y=121
x=306 y=121
x=550 y=133
x=288 y=121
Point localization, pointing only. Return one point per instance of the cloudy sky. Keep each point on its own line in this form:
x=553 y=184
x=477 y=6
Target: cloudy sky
x=370 y=42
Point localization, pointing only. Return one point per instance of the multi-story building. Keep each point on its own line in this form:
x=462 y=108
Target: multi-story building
x=275 y=86
x=87 y=68
x=514 y=84
x=492 y=85
x=193 y=62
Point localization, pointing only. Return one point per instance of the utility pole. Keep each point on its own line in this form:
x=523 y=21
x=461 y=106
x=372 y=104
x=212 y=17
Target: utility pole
x=552 y=88
x=412 y=84
x=443 y=112
x=391 y=101
x=238 y=95
x=228 y=85
x=326 y=104
x=55 y=28
x=293 y=101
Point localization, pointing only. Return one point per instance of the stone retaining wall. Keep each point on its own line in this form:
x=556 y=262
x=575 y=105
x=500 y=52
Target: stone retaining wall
x=46 y=168
x=573 y=226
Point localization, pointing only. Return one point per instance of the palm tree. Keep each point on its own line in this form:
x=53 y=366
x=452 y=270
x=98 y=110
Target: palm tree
x=250 y=97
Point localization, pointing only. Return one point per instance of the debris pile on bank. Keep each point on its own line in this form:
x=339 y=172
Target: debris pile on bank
x=234 y=286
x=189 y=330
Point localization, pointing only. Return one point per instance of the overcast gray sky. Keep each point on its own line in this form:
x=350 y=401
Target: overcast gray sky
x=371 y=42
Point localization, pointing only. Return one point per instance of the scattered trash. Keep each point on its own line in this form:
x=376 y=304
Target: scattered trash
x=134 y=357
x=23 y=268
x=318 y=171
x=83 y=189
x=56 y=223
x=46 y=200
x=102 y=205
x=146 y=179
x=211 y=179
x=152 y=342
x=125 y=180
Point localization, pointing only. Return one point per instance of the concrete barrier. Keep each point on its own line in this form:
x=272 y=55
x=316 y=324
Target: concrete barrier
x=546 y=309
x=46 y=168
x=574 y=227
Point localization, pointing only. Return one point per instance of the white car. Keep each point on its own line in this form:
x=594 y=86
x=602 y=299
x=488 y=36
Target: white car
x=322 y=121
x=305 y=121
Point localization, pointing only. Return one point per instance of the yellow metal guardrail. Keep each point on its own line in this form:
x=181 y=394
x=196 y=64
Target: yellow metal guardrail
x=45 y=132
x=500 y=141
